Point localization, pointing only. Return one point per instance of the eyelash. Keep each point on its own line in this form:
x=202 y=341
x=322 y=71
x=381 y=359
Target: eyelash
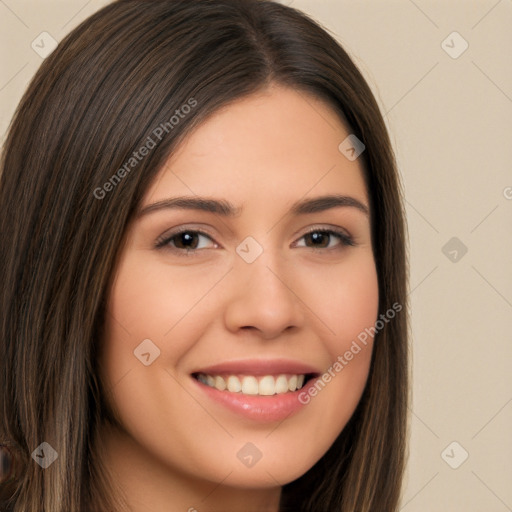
x=163 y=242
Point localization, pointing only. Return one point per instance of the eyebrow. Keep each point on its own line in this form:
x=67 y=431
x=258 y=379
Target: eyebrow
x=226 y=209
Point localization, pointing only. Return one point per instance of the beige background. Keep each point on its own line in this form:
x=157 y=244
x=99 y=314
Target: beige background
x=450 y=120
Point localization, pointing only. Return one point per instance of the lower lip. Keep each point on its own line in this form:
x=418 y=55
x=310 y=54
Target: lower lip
x=256 y=407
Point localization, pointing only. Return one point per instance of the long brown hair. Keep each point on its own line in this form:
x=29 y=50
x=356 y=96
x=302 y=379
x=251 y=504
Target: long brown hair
x=93 y=103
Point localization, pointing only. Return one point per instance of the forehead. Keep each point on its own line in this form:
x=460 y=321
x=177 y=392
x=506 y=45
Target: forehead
x=277 y=144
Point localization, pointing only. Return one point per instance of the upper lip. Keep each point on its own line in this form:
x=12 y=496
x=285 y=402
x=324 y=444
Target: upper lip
x=259 y=367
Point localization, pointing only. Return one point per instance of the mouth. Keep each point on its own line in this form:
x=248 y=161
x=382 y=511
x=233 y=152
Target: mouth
x=262 y=385
x=258 y=390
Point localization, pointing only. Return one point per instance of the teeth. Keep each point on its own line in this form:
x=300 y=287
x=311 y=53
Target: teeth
x=281 y=384
x=234 y=384
x=250 y=385
x=266 y=385
x=220 y=383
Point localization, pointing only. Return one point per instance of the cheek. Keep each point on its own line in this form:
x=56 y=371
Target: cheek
x=150 y=302
x=347 y=303
x=355 y=301
x=145 y=301
x=346 y=300
x=157 y=302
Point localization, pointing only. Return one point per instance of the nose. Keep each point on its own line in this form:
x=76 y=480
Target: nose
x=262 y=298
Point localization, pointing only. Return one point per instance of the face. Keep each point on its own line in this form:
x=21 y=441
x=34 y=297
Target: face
x=252 y=285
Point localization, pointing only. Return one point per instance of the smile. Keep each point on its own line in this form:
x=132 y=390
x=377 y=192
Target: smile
x=265 y=385
x=259 y=390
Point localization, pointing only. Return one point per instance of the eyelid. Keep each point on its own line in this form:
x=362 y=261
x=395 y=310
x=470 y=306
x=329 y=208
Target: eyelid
x=345 y=237
x=162 y=241
x=326 y=227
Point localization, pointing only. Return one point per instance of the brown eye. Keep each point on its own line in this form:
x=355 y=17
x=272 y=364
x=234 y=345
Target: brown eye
x=183 y=242
x=322 y=238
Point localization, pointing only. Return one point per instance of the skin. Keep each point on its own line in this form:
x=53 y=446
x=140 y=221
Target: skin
x=300 y=299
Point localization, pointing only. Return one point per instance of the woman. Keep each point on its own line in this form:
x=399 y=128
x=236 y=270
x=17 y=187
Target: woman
x=204 y=271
